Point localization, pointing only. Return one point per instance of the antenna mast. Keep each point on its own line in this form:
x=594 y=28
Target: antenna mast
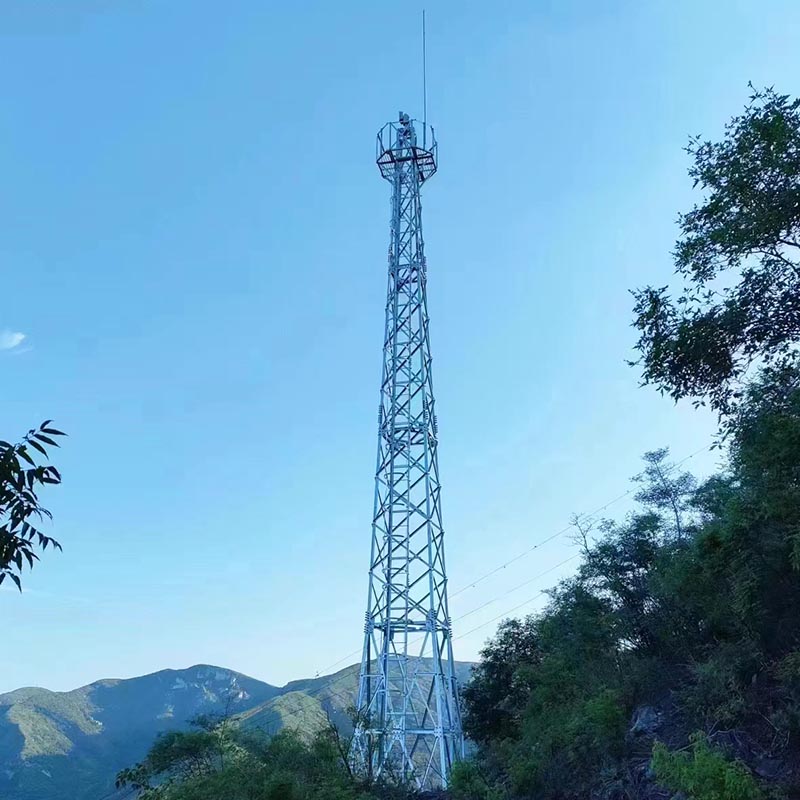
x=424 y=82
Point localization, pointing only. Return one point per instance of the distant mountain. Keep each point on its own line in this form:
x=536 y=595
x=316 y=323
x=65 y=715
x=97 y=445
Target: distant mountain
x=70 y=745
x=56 y=745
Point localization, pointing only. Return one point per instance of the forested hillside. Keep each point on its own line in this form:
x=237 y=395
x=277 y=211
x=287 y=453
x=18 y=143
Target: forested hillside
x=673 y=651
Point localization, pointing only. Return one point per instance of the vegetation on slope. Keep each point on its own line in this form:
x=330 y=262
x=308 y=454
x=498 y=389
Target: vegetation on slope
x=44 y=720
x=295 y=711
x=688 y=619
x=221 y=760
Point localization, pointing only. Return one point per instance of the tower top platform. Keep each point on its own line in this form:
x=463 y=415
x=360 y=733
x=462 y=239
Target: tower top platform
x=407 y=140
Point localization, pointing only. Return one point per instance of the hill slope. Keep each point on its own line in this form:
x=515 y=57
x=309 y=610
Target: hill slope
x=56 y=745
x=70 y=745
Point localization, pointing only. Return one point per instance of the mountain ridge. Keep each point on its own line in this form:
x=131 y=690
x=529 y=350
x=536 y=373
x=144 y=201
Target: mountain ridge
x=70 y=745
x=114 y=681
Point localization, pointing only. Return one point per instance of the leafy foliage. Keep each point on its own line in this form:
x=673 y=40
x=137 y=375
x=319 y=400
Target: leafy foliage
x=498 y=689
x=704 y=774
x=20 y=510
x=467 y=782
x=221 y=761
x=702 y=344
x=665 y=491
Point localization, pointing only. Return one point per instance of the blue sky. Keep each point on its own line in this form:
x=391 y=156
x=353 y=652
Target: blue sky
x=194 y=243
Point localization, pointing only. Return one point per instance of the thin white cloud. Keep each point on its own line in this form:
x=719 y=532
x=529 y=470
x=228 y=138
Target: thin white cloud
x=10 y=339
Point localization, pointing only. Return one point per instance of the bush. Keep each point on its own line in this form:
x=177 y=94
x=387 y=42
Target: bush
x=704 y=773
x=467 y=782
x=787 y=671
x=716 y=695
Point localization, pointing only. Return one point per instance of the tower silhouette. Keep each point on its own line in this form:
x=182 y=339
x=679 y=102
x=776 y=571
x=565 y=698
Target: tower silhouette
x=409 y=725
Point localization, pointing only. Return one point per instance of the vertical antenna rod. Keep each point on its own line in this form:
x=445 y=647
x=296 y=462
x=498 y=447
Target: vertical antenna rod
x=424 y=83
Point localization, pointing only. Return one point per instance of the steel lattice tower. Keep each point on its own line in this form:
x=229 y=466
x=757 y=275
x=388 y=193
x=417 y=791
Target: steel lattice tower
x=409 y=724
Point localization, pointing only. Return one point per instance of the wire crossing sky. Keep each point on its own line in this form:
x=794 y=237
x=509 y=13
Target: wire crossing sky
x=193 y=260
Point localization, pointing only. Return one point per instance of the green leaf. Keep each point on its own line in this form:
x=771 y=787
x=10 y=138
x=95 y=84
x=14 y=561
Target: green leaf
x=37 y=446
x=22 y=451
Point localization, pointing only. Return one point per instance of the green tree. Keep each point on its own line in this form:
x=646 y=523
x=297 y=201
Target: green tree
x=179 y=758
x=665 y=490
x=20 y=510
x=467 y=782
x=496 y=695
x=739 y=257
x=219 y=760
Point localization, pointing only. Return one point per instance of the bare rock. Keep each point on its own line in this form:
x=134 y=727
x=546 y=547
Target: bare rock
x=646 y=721
x=771 y=769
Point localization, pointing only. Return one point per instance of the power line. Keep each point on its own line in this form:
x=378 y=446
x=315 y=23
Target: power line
x=557 y=534
x=340 y=678
x=510 y=561
x=462 y=616
x=501 y=616
x=564 y=530
x=528 y=551
x=342 y=696
x=518 y=586
x=336 y=663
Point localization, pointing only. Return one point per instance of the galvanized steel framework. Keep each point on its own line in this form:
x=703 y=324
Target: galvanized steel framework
x=409 y=722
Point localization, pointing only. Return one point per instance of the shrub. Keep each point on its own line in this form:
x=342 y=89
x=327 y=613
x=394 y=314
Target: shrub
x=467 y=782
x=704 y=773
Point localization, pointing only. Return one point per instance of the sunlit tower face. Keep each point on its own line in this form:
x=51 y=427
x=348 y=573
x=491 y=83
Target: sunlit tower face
x=409 y=723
